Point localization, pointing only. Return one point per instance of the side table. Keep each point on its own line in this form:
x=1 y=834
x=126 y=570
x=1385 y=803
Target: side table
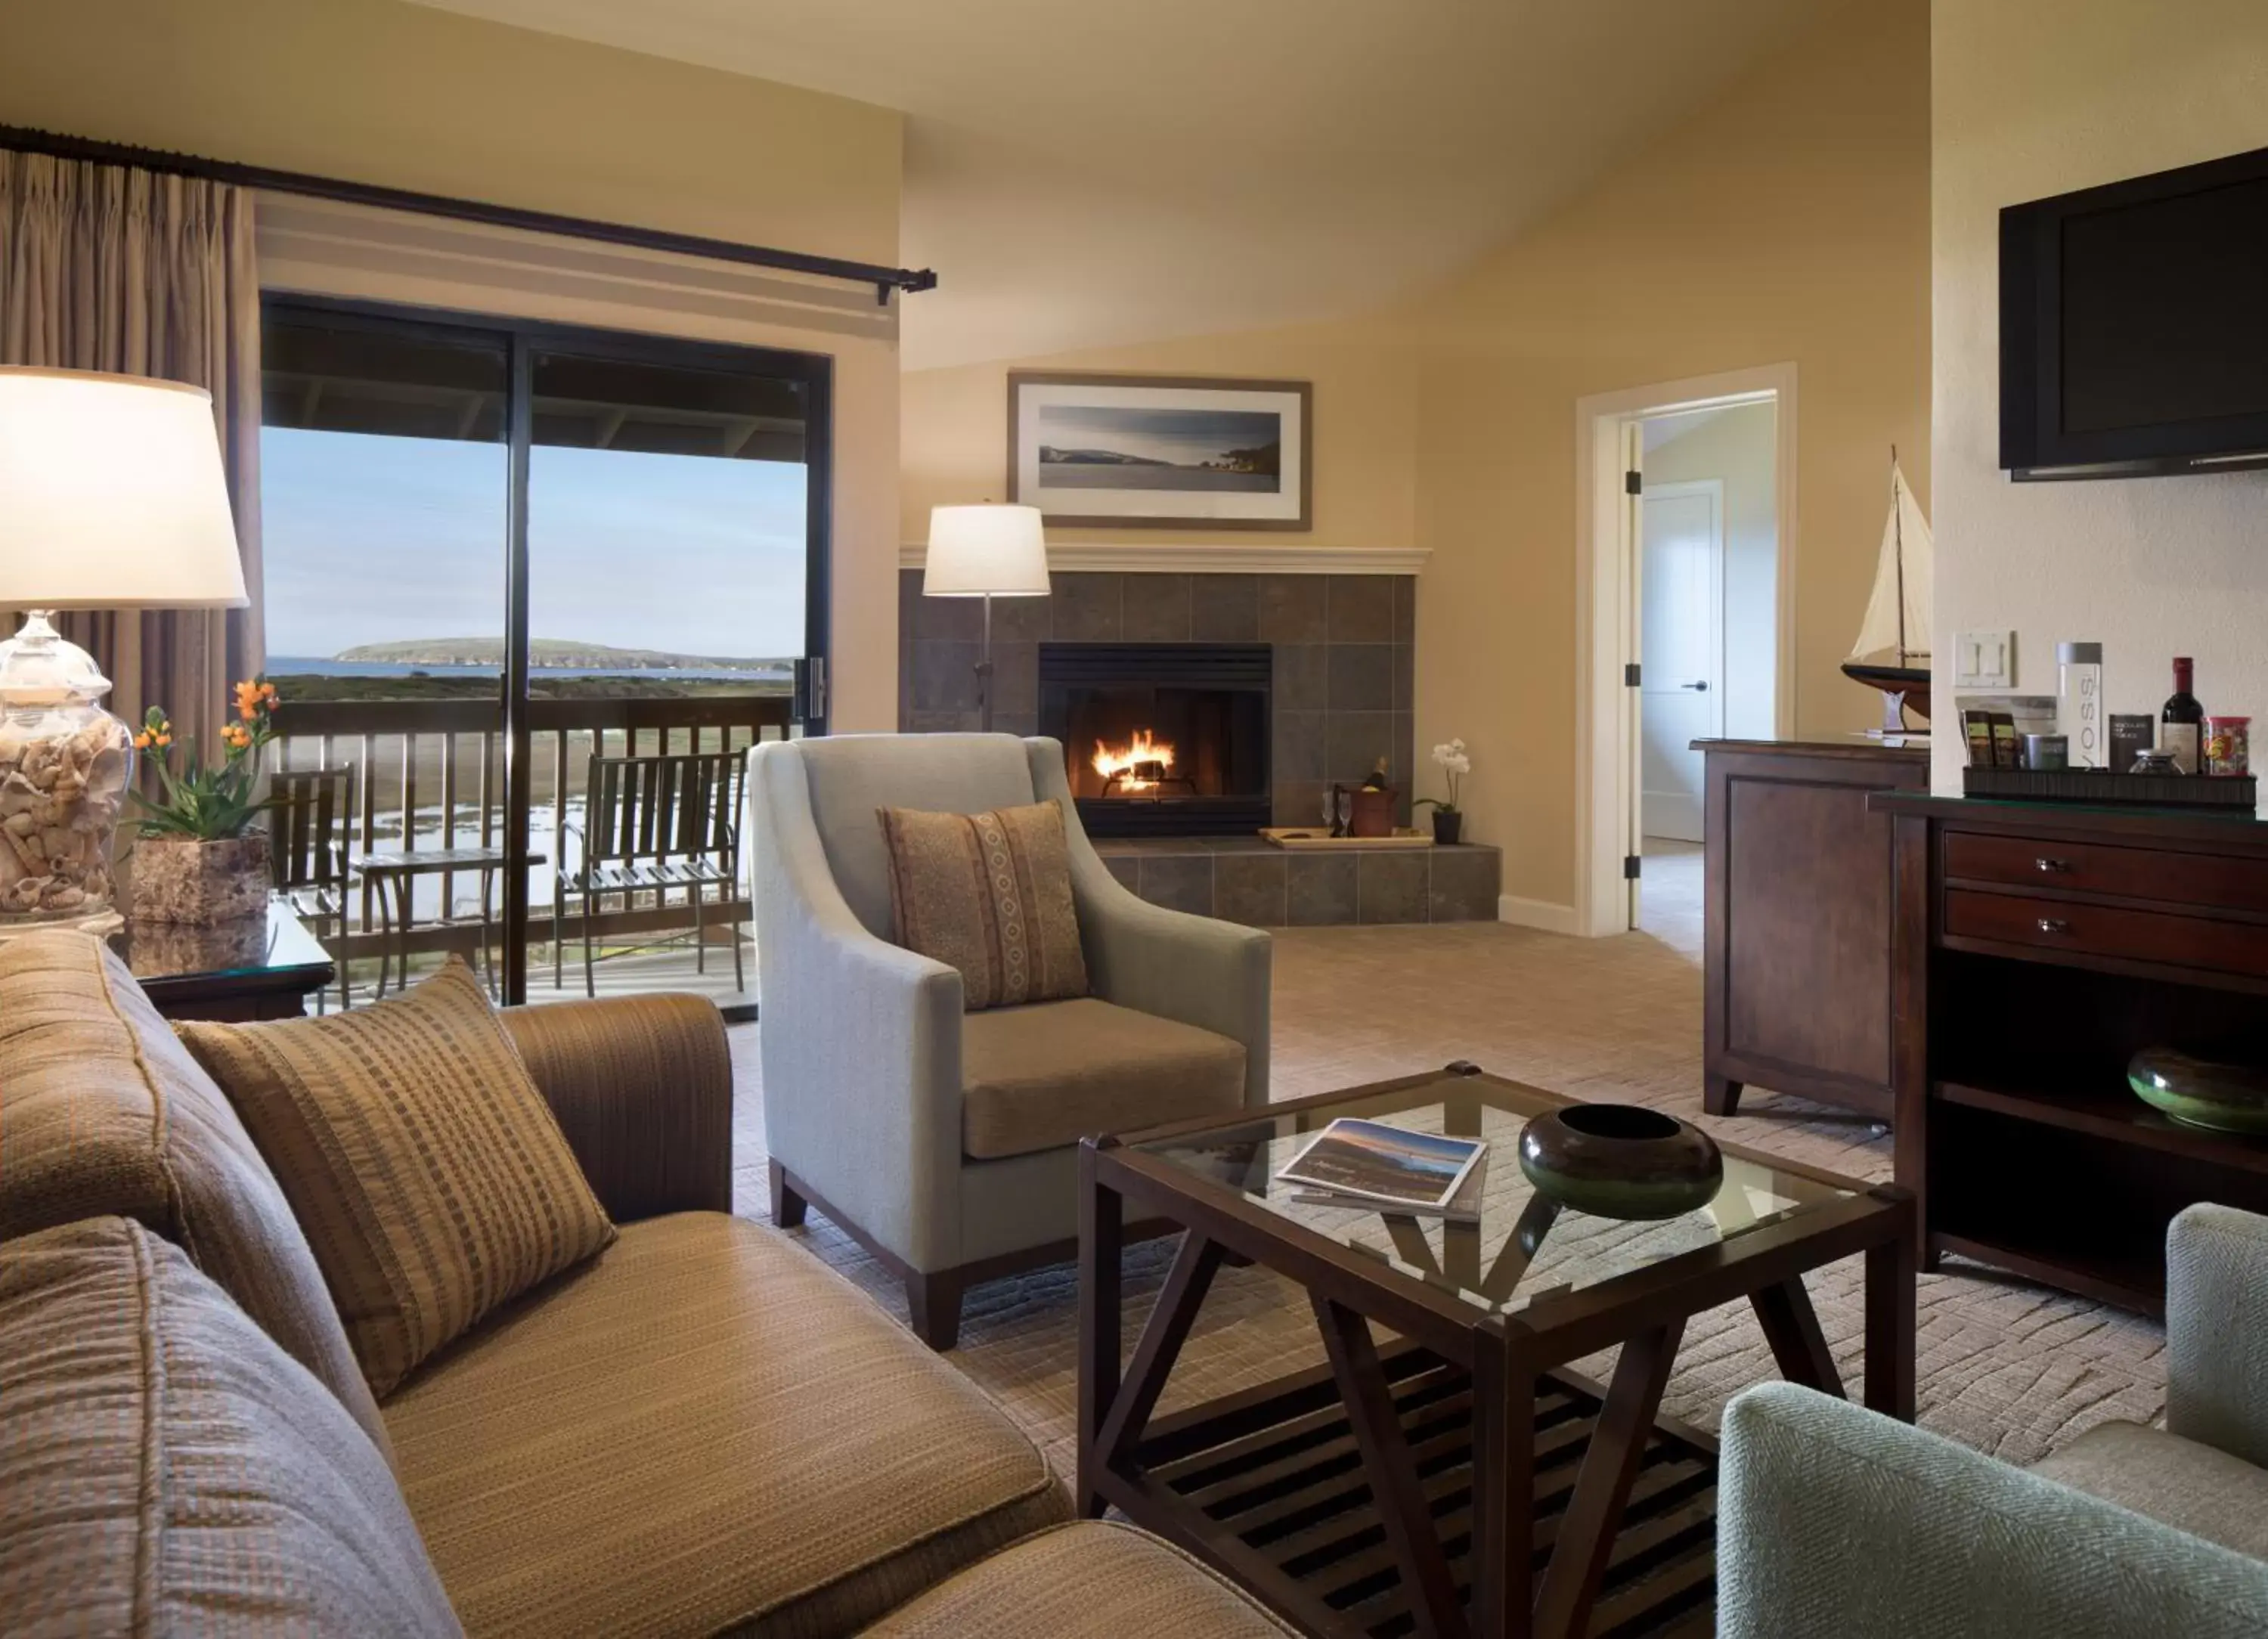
x=259 y=967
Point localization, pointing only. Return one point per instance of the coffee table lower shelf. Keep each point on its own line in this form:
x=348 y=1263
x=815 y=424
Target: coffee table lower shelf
x=1268 y=1485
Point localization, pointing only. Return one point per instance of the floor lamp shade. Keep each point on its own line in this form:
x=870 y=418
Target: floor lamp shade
x=112 y=496
x=981 y=551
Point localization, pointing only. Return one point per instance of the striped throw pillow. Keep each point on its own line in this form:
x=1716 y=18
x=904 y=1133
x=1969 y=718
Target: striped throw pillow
x=990 y=894
x=428 y=1174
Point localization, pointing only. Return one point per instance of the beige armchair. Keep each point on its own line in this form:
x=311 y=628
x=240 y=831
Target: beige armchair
x=947 y=1142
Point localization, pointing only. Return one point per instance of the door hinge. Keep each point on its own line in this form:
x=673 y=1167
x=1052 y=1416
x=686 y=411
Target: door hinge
x=1633 y=484
x=1630 y=674
x=1629 y=867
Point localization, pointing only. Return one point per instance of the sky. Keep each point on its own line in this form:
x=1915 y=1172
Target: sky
x=1183 y=437
x=371 y=539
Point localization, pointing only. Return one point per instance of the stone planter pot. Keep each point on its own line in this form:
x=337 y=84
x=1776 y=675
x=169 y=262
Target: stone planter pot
x=200 y=884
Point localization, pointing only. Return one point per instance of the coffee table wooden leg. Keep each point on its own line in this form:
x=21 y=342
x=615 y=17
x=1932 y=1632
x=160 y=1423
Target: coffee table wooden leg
x=1891 y=1328
x=1393 y=1473
x=1587 y=1531
x=1101 y=1236
x=1792 y=1327
x=1504 y=1489
x=1160 y=1345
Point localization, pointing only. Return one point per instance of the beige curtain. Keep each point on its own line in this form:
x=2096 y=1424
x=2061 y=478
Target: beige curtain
x=106 y=267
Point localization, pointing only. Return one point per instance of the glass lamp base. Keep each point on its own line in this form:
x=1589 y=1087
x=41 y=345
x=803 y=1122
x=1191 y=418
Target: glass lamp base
x=64 y=766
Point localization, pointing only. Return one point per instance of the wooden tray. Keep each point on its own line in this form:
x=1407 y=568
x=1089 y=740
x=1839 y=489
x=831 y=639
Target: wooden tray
x=1315 y=836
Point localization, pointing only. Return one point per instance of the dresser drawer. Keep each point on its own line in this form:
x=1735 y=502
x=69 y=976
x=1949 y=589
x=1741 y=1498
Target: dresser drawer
x=2142 y=873
x=2140 y=936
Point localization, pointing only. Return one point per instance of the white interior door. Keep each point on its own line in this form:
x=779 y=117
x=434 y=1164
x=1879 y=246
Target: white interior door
x=1681 y=650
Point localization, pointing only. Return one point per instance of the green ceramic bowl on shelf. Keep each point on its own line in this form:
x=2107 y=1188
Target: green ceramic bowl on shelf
x=2199 y=1093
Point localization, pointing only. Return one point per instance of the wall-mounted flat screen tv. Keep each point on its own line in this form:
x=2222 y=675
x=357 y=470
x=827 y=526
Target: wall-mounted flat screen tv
x=2134 y=325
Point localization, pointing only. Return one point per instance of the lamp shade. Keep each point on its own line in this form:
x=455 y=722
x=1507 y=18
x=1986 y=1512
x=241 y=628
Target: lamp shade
x=974 y=551
x=112 y=494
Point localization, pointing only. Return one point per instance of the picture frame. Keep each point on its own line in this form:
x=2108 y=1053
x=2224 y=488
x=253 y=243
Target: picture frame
x=1129 y=451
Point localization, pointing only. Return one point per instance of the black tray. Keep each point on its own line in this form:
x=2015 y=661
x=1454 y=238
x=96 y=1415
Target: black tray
x=2236 y=792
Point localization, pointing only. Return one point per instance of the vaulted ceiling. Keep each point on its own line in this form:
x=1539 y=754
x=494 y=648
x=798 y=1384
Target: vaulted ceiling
x=1085 y=174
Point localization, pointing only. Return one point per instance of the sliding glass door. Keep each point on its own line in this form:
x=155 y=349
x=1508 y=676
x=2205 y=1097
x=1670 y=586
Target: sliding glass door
x=531 y=592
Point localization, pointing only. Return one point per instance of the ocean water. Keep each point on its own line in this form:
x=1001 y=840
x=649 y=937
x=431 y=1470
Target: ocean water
x=1195 y=480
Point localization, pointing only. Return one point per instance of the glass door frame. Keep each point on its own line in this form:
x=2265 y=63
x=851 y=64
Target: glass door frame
x=521 y=340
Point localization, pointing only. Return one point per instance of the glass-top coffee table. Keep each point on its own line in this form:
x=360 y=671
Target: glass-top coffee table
x=1377 y=1494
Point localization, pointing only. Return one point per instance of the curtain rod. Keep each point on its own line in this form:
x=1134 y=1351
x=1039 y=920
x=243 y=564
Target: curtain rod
x=56 y=145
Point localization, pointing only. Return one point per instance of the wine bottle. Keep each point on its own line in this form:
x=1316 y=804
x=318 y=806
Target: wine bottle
x=2181 y=720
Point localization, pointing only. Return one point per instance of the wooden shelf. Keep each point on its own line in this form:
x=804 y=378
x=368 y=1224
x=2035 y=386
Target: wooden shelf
x=2131 y=1282
x=2109 y=1113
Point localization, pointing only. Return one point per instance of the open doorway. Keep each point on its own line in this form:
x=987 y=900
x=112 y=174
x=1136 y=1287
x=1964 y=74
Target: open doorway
x=1686 y=538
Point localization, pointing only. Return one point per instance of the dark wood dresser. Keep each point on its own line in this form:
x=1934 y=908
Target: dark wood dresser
x=1797 y=919
x=2040 y=946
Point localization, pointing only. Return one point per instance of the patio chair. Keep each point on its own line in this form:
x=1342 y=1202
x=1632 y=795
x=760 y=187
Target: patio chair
x=310 y=816
x=652 y=825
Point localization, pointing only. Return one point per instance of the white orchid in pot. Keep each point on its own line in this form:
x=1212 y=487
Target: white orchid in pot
x=1455 y=762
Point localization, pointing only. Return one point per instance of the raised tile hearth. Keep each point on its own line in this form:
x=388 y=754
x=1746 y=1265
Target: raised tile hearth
x=1246 y=879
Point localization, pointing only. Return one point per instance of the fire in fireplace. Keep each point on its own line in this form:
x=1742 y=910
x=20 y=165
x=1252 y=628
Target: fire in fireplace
x=1161 y=739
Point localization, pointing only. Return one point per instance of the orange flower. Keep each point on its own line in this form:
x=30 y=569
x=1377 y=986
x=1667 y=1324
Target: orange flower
x=248 y=701
x=162 y=741
x=142 y=741
x=237 y=736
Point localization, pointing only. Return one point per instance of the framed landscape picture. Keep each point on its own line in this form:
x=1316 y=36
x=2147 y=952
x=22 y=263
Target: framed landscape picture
x=1194 y=453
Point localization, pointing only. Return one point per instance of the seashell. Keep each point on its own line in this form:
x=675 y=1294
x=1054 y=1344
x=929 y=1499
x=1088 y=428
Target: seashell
x=62 y=898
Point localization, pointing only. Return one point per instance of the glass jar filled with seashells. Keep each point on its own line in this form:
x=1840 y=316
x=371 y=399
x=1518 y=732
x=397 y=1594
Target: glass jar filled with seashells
x=64 y=766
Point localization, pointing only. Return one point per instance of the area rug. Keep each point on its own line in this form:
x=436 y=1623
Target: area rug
x=2008 y=1368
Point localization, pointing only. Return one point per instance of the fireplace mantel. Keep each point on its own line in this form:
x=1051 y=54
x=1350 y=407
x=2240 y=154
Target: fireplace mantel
x=1215 y=558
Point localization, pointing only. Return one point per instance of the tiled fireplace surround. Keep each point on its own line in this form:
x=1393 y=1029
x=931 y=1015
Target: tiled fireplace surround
x=1344 y=649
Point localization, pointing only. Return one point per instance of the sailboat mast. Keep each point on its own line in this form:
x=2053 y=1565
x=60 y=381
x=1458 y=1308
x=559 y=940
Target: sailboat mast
x=1898 y=527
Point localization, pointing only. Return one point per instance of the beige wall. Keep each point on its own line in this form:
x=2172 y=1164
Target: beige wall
x=406 y=96
x=955 y=439
x=2039 y=97
x=1789 y=221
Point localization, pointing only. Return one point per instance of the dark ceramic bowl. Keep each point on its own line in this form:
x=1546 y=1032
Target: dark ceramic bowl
x=2199 y=1093
x=1621 y=1161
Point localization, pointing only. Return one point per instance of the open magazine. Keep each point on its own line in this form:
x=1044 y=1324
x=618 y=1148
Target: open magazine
x=1355 y=1163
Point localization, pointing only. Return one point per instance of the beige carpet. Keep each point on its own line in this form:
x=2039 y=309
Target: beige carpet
x=2005 y=1367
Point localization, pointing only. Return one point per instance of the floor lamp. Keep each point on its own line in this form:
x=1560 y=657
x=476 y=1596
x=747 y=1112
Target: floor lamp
x=985 y=552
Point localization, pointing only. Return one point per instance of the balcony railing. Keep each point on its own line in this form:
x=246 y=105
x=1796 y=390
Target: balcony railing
x=428 y=774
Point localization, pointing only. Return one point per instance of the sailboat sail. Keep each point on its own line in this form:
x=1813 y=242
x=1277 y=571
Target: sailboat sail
x=1895 y=631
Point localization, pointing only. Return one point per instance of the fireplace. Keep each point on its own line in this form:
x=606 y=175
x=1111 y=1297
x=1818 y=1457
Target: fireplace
x=1161 y=739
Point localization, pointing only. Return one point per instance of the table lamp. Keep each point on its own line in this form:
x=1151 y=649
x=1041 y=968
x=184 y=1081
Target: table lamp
x=986 y=551
x=112 y=496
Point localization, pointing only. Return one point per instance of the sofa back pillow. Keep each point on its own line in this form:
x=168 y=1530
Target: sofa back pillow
x=103 y=1111
x=164 y=1469
x=432 y=1179
x=990 y=894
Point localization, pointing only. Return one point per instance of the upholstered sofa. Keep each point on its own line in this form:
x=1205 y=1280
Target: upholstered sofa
x=702 y=1431
x=947 y=1140
x=1834 y=1521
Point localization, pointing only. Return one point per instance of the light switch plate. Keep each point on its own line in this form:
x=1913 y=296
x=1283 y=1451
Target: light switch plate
x=1984 y=660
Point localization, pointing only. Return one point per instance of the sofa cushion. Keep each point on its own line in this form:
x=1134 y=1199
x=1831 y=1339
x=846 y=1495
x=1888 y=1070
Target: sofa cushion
x=431 y=1178
x=1043 y=1077
x=1092 y=1580
x=703 y=1430
x=2178 y=1482
x=165 y=1469
x=103 y=1111
x=988 y=895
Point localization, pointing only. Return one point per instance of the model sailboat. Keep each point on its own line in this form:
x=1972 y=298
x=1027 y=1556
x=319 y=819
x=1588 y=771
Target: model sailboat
x=1892 y=653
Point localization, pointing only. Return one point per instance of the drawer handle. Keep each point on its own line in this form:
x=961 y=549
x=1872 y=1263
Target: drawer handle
x=2053 y=867
x=2054 y=924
